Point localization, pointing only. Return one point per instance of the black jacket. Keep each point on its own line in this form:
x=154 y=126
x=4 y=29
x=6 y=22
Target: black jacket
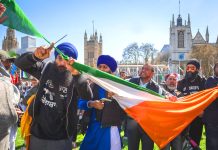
x=186 y=87
x=112 y=114
x=211 y=112
x=55 y=106
x=151 y=85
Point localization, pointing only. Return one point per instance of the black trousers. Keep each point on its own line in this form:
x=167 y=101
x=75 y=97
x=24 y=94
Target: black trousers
x=196 y=129
x=42 y=144
x=135 y=133
x=211 y=136
x=175 y=144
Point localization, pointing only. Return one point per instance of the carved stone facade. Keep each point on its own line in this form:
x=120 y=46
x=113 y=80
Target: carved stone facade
x=92 y=49
x=10 y=41
x=180 y=39
x=181 y=42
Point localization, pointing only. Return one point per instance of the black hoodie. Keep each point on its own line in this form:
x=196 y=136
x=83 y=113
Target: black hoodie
x=54 y=109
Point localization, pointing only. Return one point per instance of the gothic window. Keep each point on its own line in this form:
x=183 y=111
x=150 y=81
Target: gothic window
x=180 y=39
x=90 y=54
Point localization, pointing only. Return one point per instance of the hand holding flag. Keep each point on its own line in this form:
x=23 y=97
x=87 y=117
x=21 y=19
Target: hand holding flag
x=43 y=52
x=2 y=10
x=73 y=71
x=97 y=104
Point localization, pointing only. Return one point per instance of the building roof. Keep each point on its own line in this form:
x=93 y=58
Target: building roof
x=198 y=39
x=165 y=48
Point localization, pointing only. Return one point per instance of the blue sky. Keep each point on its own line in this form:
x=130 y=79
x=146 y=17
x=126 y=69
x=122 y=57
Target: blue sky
x=121 y=22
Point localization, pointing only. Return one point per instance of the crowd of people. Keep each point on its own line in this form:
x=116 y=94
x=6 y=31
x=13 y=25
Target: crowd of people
x=64 y=98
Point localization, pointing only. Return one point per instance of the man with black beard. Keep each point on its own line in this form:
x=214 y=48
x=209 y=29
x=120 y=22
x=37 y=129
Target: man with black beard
x=210 y=115
x=55 y=106
x=193 y=83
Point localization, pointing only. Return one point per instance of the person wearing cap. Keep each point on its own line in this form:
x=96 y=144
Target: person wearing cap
x=7 y=58
x=170 y=86
x=193 y=83
x=10 y=96
x=55 y=106
x=8 y=112
x=105 y=116
x=210 y=114
x=134 y=132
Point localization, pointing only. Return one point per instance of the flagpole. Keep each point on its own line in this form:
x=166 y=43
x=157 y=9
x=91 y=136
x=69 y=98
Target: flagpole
x=60 y=39
x=57 y=50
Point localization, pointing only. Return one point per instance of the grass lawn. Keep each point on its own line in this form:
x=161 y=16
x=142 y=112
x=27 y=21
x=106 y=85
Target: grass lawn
x=20 y=142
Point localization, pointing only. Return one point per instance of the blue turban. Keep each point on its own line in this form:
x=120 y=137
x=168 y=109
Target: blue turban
x=68 y=49
x=107 y=60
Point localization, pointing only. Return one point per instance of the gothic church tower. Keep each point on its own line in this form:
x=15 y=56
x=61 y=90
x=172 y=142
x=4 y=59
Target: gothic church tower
x=180 y=39
x=10 y=41
x=92 y=49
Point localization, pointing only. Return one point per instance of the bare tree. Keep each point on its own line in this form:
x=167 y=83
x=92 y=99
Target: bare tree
x=131 y=54
x=134 y=54
x=207 y=55
x=162 y=58
x=148 y=52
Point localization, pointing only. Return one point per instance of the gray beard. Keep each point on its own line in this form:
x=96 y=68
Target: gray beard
x=171 y=87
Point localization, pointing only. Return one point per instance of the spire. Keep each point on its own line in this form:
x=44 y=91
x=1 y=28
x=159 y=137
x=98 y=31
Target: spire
x=189 y=22
x=96 y=35
x=173 y=22
x=93 y=26
x=85 y=35
x=217 y=40
x=100 y=40
x=179 y=7
x=207 y=35
x=179 y=19
x=185 y=22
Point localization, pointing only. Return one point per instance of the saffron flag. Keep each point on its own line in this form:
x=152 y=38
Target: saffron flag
x=15 y=18
x=160 y=118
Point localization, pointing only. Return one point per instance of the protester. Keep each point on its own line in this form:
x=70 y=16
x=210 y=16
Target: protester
x=170 y=86
x=123 y=75
x=211 y=113
x=106 y=116
x=193 y=83
x=8 y=113
x=55 y=106
x=7 y=58
x=134 y=131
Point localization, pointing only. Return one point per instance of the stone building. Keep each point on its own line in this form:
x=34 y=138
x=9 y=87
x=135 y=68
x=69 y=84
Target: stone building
x=92 y=49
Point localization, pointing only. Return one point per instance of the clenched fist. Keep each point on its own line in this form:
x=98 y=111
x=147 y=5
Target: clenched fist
x=2 y=9
x=43 y=52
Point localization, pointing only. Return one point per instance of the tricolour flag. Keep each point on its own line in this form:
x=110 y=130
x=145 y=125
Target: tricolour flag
x=16 y=19
x=160 y=118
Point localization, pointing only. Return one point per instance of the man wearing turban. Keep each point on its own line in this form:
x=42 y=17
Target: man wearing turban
x=105 y=116
x=193 y=83
x=55 y=105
